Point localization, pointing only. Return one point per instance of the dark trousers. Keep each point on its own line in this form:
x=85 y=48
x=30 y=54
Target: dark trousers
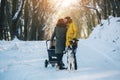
x=75 y=61
x=74 y=51
x=59 y=59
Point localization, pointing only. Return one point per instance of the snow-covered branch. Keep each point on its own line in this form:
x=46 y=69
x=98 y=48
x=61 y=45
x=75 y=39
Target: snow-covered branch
x=18 y=11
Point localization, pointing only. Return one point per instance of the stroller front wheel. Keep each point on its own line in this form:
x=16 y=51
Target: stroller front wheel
x=53 y=65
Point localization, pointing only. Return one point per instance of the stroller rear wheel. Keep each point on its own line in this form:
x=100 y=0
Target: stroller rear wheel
x=46 y=63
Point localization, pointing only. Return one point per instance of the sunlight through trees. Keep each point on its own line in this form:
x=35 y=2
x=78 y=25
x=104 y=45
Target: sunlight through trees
x=36 y=19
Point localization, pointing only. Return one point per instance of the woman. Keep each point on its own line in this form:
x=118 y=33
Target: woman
x=72 y=32
x=60 y=35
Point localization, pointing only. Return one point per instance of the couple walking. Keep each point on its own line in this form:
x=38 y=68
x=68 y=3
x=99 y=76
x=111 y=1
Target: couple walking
x=65 y=31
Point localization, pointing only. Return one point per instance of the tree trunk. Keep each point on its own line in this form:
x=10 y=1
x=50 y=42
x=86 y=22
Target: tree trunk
x=16 y=10
x=2 y=18
x=26 y=19
x=3 y=25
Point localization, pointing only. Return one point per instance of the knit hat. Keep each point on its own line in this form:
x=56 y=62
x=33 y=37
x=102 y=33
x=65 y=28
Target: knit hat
x=68 y=17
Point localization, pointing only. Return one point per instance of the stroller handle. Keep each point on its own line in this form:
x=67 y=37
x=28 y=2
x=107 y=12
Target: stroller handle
x=47 y=43
x=51 y=43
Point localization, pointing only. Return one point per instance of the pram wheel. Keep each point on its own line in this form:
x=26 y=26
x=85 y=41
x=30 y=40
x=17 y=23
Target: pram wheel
x=46 y=63
x=53 y=65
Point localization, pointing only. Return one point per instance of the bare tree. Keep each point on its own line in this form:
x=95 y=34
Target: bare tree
x=17 y=10
x=4 y=25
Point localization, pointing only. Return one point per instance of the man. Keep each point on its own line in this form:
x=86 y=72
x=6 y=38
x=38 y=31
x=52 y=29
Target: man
x=71 y=34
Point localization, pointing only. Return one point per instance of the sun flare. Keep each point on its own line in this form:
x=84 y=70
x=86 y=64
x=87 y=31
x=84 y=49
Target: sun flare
x=67 y=3
x=62 y=9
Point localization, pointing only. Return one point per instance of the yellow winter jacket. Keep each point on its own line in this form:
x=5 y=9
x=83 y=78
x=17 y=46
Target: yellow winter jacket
x=72 y=33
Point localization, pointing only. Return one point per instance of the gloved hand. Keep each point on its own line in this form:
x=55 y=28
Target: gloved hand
x=74 y=39
x=66 y=48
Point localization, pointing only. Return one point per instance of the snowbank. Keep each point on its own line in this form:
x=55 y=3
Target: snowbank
x=108 y=31
x=105 y=40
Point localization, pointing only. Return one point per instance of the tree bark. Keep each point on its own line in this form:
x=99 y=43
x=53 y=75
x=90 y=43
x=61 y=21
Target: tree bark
x=2 y=19
x=15 y=19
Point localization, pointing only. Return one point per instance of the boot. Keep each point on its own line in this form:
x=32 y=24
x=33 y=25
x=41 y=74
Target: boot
x=61 y=66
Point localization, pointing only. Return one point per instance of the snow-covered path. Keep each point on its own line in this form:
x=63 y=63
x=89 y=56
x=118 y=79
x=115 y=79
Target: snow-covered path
x=25 y=61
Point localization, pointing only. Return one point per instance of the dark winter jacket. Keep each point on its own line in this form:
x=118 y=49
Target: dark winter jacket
x=60 y=35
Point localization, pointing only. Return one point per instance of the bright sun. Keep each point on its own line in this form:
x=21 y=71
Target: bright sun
x=67 y=3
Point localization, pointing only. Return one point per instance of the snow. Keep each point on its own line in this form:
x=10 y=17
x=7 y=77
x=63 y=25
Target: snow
x=98 y=57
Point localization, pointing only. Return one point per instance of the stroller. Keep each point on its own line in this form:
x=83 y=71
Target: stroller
x=52 y=57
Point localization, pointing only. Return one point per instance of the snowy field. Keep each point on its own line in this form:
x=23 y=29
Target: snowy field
x=98 y=57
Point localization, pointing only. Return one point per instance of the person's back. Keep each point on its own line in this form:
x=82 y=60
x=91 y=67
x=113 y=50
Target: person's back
x=60 y=38
x=61 y=32
x=60 y=35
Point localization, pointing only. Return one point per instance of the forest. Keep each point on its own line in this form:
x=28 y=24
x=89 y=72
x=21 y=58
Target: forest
x=30 y=20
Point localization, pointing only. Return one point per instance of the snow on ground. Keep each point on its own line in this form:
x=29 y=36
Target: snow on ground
x=98 y=57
